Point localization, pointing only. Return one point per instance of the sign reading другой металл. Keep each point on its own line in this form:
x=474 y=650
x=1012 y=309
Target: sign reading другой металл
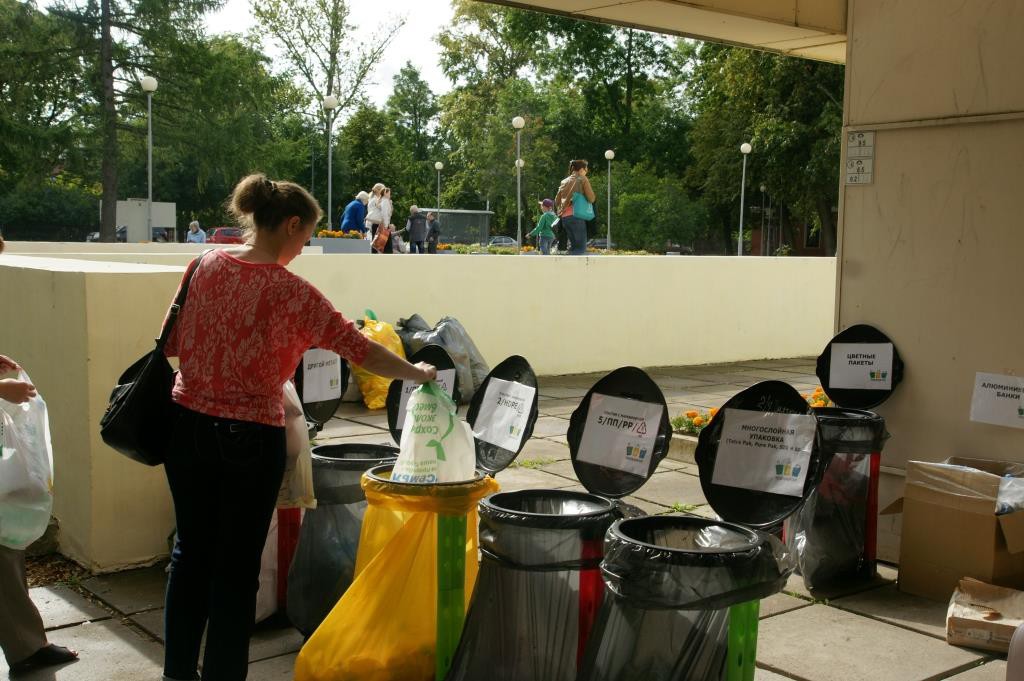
x=861 y=366
x=998 y=400
x=767 y=452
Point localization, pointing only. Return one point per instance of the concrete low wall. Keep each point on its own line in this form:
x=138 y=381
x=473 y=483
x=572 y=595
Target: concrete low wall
x=91 y=248
x=75 y=324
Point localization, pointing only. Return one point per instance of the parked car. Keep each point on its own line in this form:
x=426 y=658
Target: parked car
x=503 y=241
x=601 y=244
x=225 y=235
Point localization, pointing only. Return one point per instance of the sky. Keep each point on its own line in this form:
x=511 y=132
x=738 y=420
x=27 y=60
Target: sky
x=414 y=41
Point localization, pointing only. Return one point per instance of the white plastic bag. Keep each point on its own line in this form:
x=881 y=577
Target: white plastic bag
x=297 y=486
x=266 y=595
x=436 y=445
x=26 y=471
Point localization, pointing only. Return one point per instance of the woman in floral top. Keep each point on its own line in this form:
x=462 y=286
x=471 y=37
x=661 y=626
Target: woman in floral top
x=243 y=328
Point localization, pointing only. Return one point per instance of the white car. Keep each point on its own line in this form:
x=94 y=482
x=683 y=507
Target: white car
x=503 y=241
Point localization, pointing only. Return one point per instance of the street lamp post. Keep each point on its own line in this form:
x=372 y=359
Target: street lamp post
x=518 y=122
x=439 y=167
x=764 y=238
x=745 y=150
x=149 y=84
x=608 y=220
x=330 y=104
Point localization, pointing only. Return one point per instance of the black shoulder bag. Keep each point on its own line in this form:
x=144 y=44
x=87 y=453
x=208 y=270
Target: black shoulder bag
x=137 y=422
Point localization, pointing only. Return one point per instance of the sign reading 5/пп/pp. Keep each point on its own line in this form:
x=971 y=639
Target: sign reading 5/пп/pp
x=861 y=366
x=766 y=452
x=620 y=433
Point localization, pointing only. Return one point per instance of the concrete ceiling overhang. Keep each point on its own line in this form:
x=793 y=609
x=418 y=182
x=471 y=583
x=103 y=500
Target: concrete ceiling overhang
x=812 y=29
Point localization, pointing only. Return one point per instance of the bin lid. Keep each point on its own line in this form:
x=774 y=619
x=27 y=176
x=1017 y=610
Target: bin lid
x=321 y=379
x=760 y=457
x=860 y=367
x=502 y=413
x=619 y=433
x=399 y=391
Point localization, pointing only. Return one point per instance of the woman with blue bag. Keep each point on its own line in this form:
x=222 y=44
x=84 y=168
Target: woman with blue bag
x=575 y=201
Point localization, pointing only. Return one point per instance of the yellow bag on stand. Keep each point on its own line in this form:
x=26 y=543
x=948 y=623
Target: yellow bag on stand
x=385 y=626
x=373 y=387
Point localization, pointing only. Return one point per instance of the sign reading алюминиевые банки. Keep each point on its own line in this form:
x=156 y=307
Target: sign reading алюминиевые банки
x=998 y=399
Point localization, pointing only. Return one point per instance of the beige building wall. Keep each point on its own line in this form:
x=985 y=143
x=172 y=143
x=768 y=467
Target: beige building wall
x=76 y=324
x=931 y=251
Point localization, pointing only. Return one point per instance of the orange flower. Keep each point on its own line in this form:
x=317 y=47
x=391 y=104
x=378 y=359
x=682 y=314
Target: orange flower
x=711 y=414
x=698 y=421
x=691 y=414
x=819 y=391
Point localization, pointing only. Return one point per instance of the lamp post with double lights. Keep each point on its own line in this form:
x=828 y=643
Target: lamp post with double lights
x=330 y=104
x=149 y=85
x=518 y=123
x=745 y=149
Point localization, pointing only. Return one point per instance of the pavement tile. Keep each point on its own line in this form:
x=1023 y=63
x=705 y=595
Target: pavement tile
x=648 y=507
x=344 y=428
x=765 y=675
x=558 y=407
x=108 y=651
x=544 y=448
x=994 y=670
x=780 y=603
x=672 y=487
x=795 y=585
x=809 y=643
x=561 y=468
x=895 y=607
x=266 y=642
x=280 y=668
x=61 y=606
x=132 y=591
x=378 y=419
x=561 y=392
x=550 y=426
x=670 y=382
x=514 y=479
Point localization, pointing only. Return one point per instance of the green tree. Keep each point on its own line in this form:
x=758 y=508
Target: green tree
x=369 y=153
x=414 y=109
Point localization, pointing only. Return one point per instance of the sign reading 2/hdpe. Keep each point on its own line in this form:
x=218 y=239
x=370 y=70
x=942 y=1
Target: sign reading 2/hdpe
x=620 y=433
x=766 y=452
x=504 y=413
x=445 y=379
x=321 y=376
x=861 y=366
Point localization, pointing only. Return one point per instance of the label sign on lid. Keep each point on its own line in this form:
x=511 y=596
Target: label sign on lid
x=504 y=413
x=445 y=379
x=765 y=452
x=321 y=376
x=998 y=399
x=620 y=433
x=861 y=366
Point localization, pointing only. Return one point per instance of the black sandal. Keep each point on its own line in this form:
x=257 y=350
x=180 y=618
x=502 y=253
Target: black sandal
x=49 y=655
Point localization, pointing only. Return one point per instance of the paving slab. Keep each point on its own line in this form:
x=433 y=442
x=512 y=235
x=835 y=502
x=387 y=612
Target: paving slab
x=108 y=651
x=993 y=670
x=819 y=642
x=562 y=392
x=266 y=642
x=344 y=428
x=132 y=591
x=557 y=407
x=765 y=675
x=280 y=668
x=61 y=606
x=550 y=426
x=378 y=418
x=562 y=469
x=544 y=448
x=795 y=585
x=514 y=479
x=895 y=607
x=780 y=603
x=672 y=487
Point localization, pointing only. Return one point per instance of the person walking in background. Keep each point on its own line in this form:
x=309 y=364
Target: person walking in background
x=543 y=232
x=239 y=336
x=575 y=202
x=374 y=219
x=416 y=226
x=354 y=217
x=433 y=232
x=195 y=235
x=386 y=209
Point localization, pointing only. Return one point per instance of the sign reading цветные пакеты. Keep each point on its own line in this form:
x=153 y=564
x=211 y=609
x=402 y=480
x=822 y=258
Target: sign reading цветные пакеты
x=861 y=366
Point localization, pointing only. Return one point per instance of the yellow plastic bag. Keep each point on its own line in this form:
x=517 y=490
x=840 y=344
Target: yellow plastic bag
x=384 y=627
x=373 y=387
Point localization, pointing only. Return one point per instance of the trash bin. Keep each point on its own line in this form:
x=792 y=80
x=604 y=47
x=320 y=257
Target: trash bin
x=684 y=591
x=540 y=585
x=325 y=559
x=834 y=535
x=417 y=562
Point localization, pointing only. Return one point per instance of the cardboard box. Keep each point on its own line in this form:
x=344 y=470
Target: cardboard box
x=951 y=530
x=983 y=616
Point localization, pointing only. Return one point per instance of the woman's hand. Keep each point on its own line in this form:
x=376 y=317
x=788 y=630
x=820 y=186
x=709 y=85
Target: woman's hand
x=8 y=364
x=428 y=371
x=16 y=391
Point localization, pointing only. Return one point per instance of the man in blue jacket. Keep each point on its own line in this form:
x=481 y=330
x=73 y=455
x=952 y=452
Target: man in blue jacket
x=354 y=217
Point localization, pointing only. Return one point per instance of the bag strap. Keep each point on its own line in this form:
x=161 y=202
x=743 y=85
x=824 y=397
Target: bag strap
x=179 y=302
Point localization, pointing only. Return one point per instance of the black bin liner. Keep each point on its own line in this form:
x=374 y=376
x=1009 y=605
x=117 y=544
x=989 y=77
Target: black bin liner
x=325 y=558
x=449 y=333
x=828 y=534
x=523 y=622
x=671 y=581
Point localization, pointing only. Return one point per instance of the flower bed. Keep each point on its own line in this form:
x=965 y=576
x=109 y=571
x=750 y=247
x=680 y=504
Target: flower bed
x=339 y=234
